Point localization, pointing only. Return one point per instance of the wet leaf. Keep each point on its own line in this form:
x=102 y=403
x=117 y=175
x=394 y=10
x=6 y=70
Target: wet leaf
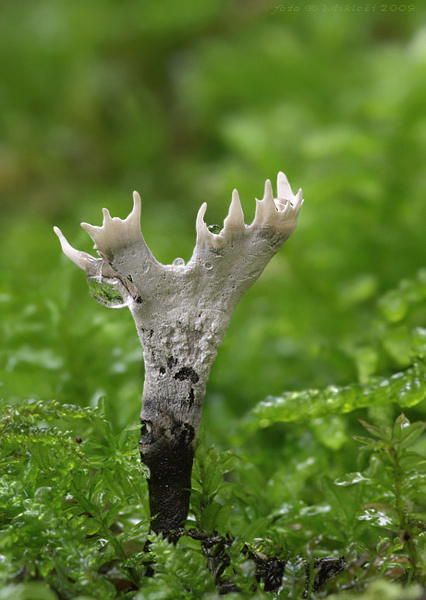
x=351 y=479
x=407 y=388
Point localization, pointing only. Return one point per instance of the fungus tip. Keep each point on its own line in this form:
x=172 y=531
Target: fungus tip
x=204 y=236
x=90 y=229
x=298 y=201
x=58 y=232
x=106 y=214
x=268 y=195
x=283 y=187
x=81 y=259
x=136 y=203
x=235 y=219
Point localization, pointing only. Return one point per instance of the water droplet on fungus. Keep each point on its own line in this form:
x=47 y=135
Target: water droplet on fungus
x=107 y=294
x=215 y=229
x=179 y=262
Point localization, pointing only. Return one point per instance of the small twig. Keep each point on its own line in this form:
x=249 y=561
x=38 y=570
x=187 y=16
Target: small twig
x=269 y=569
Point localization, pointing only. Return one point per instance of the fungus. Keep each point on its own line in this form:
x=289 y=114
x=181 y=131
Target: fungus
x=181 y=312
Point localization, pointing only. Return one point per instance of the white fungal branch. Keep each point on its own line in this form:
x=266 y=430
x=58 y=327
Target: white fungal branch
x=182 y=311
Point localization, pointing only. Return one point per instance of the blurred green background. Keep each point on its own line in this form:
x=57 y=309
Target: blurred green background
x=183 y=102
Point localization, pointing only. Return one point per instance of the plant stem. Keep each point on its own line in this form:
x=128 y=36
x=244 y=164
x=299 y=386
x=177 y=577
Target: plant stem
x=404 y=525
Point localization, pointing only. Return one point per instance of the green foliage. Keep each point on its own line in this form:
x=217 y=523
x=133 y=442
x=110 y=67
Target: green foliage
x=65 y=497
x=184 y=103
x=408 y=389
x=68 y=506
x=211 y=494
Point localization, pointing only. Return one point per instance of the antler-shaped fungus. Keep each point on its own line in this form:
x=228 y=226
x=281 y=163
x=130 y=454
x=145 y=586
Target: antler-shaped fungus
x=181 y=314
